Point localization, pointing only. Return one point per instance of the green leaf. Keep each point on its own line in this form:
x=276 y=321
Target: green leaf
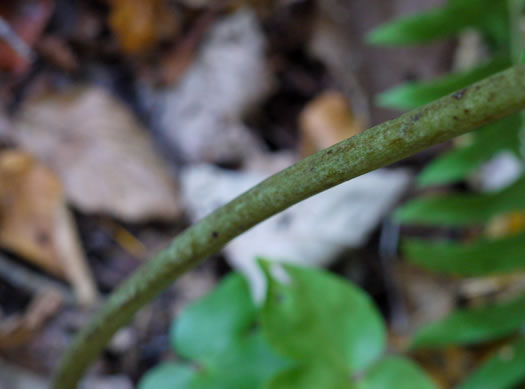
x=473 y=325
x=438 y=22
x=415 y=94
x=398 y=373
x=219 y=332
x=484 y=257
x=318 y=316
x=503 y=371
x=461 y=210
x=248 y=363
x=169 y=375
x=489 y=140
x=312 y=377
x=208 y=327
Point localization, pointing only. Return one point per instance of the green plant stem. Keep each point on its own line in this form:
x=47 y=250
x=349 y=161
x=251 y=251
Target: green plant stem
x=517 y=43
x=465 y=110
x=517 y=40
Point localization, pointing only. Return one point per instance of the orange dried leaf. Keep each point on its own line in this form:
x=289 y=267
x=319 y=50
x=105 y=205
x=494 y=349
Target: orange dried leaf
x=30 y=195
x=506 y=225
x=325 y=121
x=139 y=24
x=35 y=222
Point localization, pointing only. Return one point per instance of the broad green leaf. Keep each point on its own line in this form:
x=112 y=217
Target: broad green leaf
x=460 y=210
x=415 y=94
x=321 y=376
x=438 y=22
x=318 y=316
x=483 y=257
x=219 y=332
x=473 y=325
x=502 y=371
x=169 y=375
x=208 y=327
x=489 y=140
x=248 y=363
x=398 y=373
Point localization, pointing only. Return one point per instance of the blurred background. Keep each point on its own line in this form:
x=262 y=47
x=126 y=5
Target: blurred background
x=124 y=121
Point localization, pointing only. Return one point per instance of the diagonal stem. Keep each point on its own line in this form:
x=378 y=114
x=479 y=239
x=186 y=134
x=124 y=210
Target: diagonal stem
x=484 y=102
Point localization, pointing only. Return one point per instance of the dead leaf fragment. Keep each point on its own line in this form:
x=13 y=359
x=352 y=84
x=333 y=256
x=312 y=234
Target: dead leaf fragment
x=139 y=24
x=30 y=194
x=325 y=121
x=35 y=223
x=19 y=329
x=505 y=225
x=103 y=155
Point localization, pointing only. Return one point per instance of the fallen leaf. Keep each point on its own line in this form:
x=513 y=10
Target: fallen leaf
x=104 y=156
x=17 y=330
x=326 y=121
x=35 y=223
x=25 y=21
x=139 y=24
x=506 y=225
x=201 y=115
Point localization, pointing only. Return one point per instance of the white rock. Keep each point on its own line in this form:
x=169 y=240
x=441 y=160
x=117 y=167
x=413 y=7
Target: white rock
x=201 y=115
x=311 y=233
x=500 y=171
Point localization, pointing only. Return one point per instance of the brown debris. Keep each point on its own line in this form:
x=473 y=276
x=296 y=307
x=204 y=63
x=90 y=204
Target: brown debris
x=17 y=330
x=325 y=121
x=104 y=156
x=36 y=224
x=139 y=24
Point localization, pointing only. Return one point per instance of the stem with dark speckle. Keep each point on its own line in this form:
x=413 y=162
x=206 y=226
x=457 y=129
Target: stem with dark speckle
x=484 y=102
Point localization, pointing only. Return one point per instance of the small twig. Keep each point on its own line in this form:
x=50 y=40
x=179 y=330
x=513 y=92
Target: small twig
x=23 y=278
x=14 y=41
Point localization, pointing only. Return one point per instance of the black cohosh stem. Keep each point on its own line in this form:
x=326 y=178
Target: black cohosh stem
x=484 y=102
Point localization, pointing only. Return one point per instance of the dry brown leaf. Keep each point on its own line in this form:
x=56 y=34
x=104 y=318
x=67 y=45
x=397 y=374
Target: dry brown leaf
x=30 y=194
x=35 y=223
x=139 y=24
x=103 y=155
x=506 y=225
x=19 y=329
x=325 y=121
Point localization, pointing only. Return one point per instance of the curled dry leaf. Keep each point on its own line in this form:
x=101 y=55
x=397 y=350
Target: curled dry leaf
x=139 y=24
x=35 y=223
x=325 y=121
x=103 y=155
x=19 y=329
